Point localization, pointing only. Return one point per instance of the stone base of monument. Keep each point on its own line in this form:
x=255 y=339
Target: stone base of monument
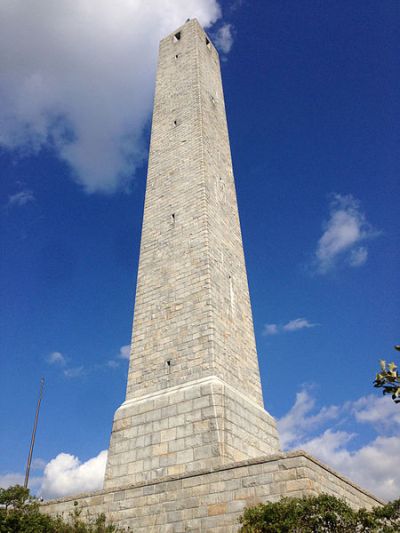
x=194 y=426
x=213 y=500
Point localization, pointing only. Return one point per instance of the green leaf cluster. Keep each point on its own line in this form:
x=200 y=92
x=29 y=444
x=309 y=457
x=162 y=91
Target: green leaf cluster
x=319 y=514
x=20 y=513
x=389 y=379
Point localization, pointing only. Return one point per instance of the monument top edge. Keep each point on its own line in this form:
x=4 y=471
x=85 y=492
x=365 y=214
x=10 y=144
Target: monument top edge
x=188 y=22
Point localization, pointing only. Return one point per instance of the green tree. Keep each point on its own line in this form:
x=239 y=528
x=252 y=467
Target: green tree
x=20 y=513
x=389 y=379
x=319 y=514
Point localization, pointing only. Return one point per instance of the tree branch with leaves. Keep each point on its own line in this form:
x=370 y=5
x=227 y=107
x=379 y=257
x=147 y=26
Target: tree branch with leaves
x=389 y=379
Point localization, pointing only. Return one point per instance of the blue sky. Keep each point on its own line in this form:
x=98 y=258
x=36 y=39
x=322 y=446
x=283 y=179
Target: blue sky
x=311 y=90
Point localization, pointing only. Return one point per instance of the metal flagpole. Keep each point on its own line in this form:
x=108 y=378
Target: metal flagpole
x=28 y=464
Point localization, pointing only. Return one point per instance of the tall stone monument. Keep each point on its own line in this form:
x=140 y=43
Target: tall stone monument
x=194 y=395
x=192 y=445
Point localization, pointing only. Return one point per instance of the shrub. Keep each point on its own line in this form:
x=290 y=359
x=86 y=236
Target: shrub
x=319 y=514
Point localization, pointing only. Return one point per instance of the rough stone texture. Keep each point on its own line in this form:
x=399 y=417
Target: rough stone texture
x=193 y=426
x=193 y=318
x=192 y=445
x=192 y=302
x=213 y=499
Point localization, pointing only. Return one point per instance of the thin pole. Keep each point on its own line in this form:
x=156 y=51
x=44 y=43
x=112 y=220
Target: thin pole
x=28 y=464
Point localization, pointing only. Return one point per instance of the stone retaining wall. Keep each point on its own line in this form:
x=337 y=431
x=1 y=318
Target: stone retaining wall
x=213 y=500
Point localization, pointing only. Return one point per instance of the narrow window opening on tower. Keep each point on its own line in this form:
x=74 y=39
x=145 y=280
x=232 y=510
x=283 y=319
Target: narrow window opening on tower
x=168 y=362
x=173 y=219
x=176 y=56
x=231 y=295
x=177 y=37
x=175 y=122
x=208 y=44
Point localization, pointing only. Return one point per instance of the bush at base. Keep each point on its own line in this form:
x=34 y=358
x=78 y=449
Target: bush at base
x=20 y=513
x=319 y=514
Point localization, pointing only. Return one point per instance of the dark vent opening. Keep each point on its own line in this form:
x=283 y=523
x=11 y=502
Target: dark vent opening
x=175 y=122
x=177 y=37
x=208 y=43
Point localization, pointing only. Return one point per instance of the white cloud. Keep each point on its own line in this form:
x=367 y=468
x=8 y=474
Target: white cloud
x=298 y=323
x=371 y=464
x=112 y=363
x=16 y=478
x=381 y=412
x=20 y=198
x=224 y=38
x=38 y=464
x=78 y=77
x=125 y=352
x=63 y=475
x=67 y=475
x=270 y=329
x=293 y=325
x=10 y=479
x=358 y=256
x=346 y=228
x=298 y=421
x=56 y=358
x=74 y=372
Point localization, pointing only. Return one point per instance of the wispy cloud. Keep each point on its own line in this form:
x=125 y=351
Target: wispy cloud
x=125 y=352
x=358 y=256
x=345 y=229
x=84 y=90
x=20 y=198
x=56 y=358
x=316 y=430
x=270 y=329
x=75 y=372
x=224 y=38
x=298 y=323
x=17 y=478
x=372 y=465
x=293 y=325
x=303 y=418
x=379 y=412
x=112 y=363
x=11 y=478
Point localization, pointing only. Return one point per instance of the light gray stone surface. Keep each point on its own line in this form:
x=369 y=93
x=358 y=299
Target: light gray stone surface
x=198 y=425
x=192 y=302
x=194 y=393
x=213 y=499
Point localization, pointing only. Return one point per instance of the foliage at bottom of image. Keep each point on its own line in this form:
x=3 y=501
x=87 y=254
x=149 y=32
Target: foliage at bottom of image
x=317 y=514
x=20 y=513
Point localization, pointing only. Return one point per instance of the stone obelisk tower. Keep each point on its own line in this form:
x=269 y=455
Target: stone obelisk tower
x=194 y=396
x=192 y=445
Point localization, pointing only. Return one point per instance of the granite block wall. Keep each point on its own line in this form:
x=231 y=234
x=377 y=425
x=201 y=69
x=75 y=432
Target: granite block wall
x=198 y=425
x=213 y=499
